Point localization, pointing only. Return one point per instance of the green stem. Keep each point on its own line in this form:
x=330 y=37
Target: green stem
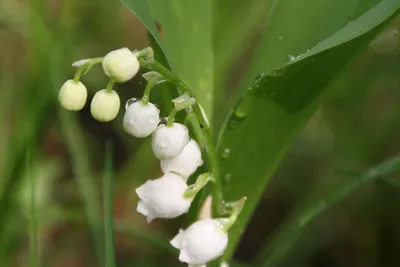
x=192 y=120
x=171 y=117
x=108 y=208
x=110 y=86
x=236 y=209
x=209 y=142
x=78 y=73
x=201 y=181
x=146 y=96
x=86 y=67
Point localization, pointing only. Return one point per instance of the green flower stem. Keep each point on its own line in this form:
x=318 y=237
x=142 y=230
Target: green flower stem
x=209 y=142
x=201 y=181
x=78 y=74
x=110 y=85
x=236 y=209
x=192 y=120
x=171 y=117
x=86 y=67
x=146 y=96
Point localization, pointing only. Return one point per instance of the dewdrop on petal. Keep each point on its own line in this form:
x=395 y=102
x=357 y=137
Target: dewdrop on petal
x=141 y=119
x=168 y=142
x=202 y=242
x=121 y=65
x=163 y=197
x=186 y=162
x=72 y=95
x=105 y=105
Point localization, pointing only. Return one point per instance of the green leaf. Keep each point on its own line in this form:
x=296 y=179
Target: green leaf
x=276 y=250
x=186 y=40
x=286 y=38
x=274 y=109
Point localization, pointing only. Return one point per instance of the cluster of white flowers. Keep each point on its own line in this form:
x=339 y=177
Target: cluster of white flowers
x=180 y=156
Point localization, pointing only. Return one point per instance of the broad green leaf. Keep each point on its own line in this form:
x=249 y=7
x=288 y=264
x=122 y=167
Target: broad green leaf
x=285 y=38
x=280 y=31
x=273 y=110
x=142 y=12
x=185 y=39
x=277 y=250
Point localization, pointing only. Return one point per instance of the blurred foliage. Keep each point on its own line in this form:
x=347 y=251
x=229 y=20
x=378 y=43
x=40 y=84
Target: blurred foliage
x=355 y=128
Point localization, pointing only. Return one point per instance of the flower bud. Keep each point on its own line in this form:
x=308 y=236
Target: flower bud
x=105 y=105
x=140 y=119
x=121 y=65
x=202 y=242
x=186 y=162
x=163 y=197
x=72 y=95
x=168 y=142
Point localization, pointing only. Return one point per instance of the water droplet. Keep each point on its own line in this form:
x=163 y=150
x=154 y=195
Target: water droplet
x=232 y=123
x=226 y=153
x=291 y=58
x=227 y=177
x=130 y=102
x=259 y=77
x=164 y=142
x=158 y=108
x=280 y=37
x=279 y=71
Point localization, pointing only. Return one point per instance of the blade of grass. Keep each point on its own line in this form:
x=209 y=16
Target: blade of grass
x=275 y=251
x=81 y=167
x=108 y=207
x=33 y=239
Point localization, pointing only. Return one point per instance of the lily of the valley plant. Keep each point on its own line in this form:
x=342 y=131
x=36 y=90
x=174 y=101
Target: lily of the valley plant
x=180 y=154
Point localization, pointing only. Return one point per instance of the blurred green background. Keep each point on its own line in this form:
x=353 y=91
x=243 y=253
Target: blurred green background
x=356 y=127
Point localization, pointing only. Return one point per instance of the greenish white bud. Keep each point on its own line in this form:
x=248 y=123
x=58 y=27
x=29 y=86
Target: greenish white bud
x=72 y=95
x=121 y=65
x=105 y=105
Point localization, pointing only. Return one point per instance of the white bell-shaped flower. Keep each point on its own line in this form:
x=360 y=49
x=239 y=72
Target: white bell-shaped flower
x=72 y=95
x=163 y=197
x=167 y=142
x=202 y=242
x=141 y=119
x=121 y=65
x=186 y=162
x=105 y=105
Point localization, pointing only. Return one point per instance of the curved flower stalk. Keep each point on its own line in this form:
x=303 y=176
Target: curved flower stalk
x=180 y=154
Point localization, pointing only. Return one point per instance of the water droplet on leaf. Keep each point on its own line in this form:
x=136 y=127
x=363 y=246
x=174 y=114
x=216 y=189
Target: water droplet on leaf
x=226 y=153
x=291 y=58
x=227 y=177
